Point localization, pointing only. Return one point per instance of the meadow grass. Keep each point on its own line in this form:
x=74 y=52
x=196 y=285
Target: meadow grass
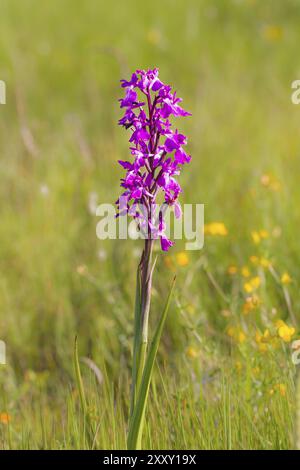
x=224 y=377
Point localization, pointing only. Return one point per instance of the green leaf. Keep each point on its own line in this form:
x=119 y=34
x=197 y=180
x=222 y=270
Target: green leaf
x=79 y=379
x=86 y=416
x=137 y=420
x=137 y=338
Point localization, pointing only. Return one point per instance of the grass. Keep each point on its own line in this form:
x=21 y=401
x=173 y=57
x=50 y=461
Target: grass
x=233 y=63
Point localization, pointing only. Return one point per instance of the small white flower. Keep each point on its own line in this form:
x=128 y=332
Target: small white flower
x=44 y=190
x=102 y=255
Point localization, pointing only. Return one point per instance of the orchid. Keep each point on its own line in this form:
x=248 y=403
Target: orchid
x=157 y=157
x=158 y=151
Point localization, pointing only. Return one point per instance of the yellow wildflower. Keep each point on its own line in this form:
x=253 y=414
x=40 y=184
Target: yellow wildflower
x=215 y=228
x=191 y=352
x=255 y=282
x=284 y=331
x=182 y=258
x=279 y=323
x=255 y=237
x=272 y=33
x=230 y=331
x=252 y=284
x=190 y=309
x=265 y=180
x=245 y=271
x=232 y=269
x=241 y=337
x=270 y=182
x=254 y=259
x=263 y=234
x=237 y=334
x=262 y=340
x=250 y=304
x=266 y=335
x=238 y=366
x=247 y=287
x=259 y=235
x=281 y=389
x=285 y=278
x=5 y=418
x=264 y=262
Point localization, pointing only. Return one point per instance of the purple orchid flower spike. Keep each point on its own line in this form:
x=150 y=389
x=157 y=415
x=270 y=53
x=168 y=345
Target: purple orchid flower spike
x=157 y=150
x=158 y=156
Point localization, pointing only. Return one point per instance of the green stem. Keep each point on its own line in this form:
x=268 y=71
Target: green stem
x=146 y=285
x=137 y=339
x=136 y=424
x=141 y=319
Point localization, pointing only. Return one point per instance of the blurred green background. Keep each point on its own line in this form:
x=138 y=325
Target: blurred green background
x=233 y=63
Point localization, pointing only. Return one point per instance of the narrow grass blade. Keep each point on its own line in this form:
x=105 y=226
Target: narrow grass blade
x=137 y=419
x=137 y=338
x=83 y=403
x=79 y=379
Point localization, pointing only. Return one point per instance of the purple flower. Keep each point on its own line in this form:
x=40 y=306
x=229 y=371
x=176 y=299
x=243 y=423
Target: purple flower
x=165 y=243
x=157 y=150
